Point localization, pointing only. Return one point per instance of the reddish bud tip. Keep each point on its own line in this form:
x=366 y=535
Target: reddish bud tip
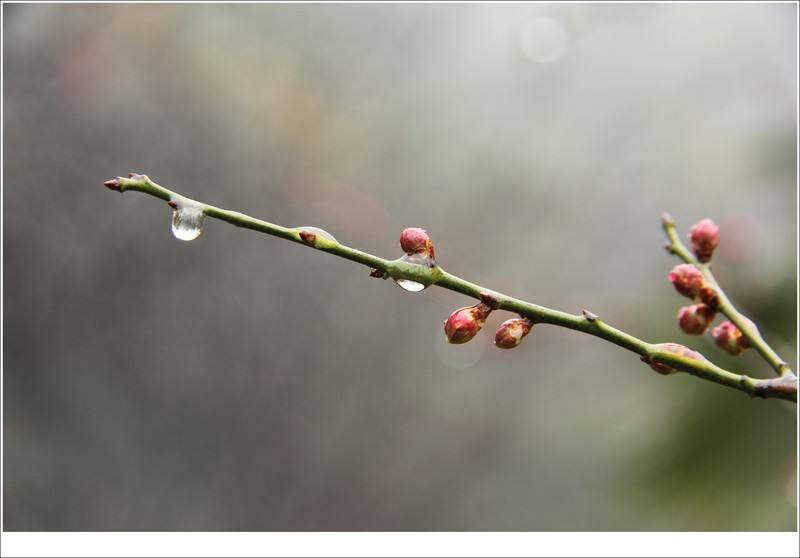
x=511 y=332
x=704 y=236
x=675 y=349
x=172 y=204
x=695 y=319
x=308 y=237
x=112 y=184
x=728 y=338
x=416 y=241
x=465 y=323
x=687 y=280
x=377 y=273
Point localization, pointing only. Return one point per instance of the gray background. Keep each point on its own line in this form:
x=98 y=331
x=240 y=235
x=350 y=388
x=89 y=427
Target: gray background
x=240 y=382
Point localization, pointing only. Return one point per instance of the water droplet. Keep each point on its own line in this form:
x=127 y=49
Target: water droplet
x=317 y=231
x=410 y=286
x=187 y=219
x=414 y=286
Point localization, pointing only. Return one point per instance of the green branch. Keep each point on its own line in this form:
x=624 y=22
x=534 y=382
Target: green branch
x=724 y=305
x=435 y=275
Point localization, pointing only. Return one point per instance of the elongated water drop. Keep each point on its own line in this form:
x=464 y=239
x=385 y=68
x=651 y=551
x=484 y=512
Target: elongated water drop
x=187 y=219
x=410 y=286
x=317 y=231
x=418 y=259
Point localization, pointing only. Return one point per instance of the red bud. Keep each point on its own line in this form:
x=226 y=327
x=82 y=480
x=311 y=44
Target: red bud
x=687 y=280
x=705 y=238
x=465 y=323
x=416 y=241
x=729 y=338
x=695 y=319
x=511 y=333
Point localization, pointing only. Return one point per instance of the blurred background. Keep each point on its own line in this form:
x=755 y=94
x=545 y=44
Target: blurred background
x=241 y=382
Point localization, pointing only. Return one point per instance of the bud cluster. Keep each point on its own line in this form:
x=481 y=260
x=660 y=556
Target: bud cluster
x=465 y=323
x=689 y=282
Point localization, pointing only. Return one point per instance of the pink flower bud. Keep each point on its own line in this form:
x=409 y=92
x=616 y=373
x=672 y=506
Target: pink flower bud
x=511 y=333
x=465 y=323
x=416 y=241
x=687 y=280
x=675 y=349
x=695 y=319
x=728 y=337
x=705 y=238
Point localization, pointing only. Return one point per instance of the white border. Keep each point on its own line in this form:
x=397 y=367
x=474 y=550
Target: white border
x=399 y=544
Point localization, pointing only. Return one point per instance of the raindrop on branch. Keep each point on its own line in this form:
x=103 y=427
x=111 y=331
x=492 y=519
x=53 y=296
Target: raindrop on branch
x=187 y=219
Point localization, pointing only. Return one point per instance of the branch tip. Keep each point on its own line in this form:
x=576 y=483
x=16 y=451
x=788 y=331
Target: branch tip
x=112 y=184
x=667 y=220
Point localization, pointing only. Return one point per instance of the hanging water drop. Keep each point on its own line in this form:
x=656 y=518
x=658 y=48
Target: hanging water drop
x=187 y=219
x=410 y=286
x=417 y=259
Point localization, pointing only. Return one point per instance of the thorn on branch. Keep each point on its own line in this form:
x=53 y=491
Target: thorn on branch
x=590 y=316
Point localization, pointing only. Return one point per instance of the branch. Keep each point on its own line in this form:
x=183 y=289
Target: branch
x=661 y=357
x=724 y=305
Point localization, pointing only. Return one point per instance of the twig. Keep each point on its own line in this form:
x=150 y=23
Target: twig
x=435 y=275
x=675 y=246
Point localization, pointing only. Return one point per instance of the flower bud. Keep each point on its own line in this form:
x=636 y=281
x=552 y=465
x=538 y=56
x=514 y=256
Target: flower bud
x=511 y=332
x=705 y=238
x=729 y=338
x=695 y=319
x=465 y=323
x=675 y=349
x=416 y=241
x=687 y=280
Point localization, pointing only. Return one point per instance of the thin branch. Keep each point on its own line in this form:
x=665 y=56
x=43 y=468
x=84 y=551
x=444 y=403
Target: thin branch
x=399 y=269
x=675 y=246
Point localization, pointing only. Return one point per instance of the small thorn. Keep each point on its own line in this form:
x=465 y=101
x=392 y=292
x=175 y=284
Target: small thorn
x=668 y=247
x=377 y=273
x=112 y=184
x=591 y=316
x=172 y=204
x=667 y=220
